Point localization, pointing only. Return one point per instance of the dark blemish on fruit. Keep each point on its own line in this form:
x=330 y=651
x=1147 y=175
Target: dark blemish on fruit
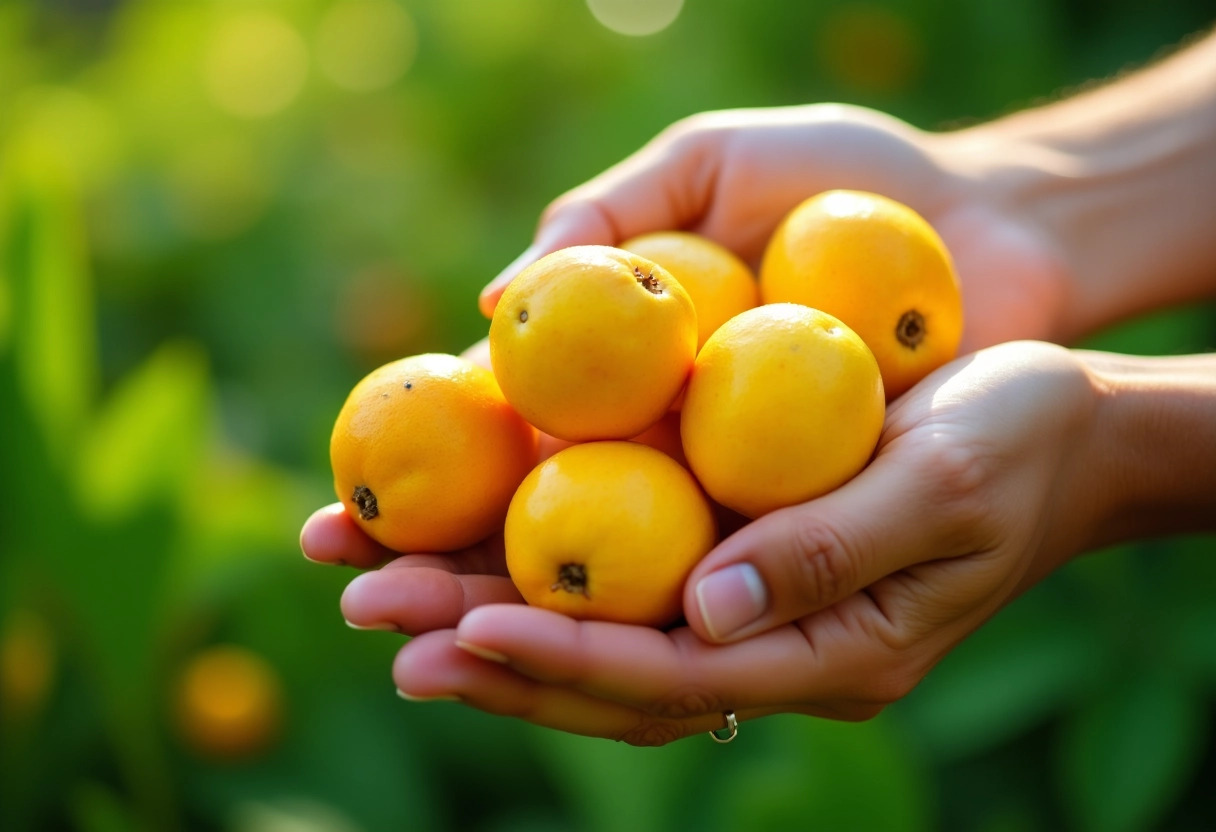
x=648 y=281
x=571 y=577
x=910 y=331
x=366 y=501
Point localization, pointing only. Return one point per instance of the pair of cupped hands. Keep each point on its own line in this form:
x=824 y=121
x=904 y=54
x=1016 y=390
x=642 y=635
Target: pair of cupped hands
x=980 y=486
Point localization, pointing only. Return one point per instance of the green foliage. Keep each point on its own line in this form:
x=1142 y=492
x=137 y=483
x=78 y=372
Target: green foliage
x=193 y=272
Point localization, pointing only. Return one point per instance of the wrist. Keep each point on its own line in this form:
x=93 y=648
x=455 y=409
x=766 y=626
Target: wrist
x=1121 y=180
x=1155 y=440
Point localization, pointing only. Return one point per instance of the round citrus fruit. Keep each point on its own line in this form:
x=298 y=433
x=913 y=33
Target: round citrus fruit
x=592 y=342
x=785 y=403
x=879 y=267
x=608 y=531
x=426 y=453
x=719 y=283
x=229 y=702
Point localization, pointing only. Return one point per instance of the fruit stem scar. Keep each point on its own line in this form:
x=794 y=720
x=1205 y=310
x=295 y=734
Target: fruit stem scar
x=910 y=331
x=648 y=281
x=523 y=316
x=571 y=577
x=366 y=501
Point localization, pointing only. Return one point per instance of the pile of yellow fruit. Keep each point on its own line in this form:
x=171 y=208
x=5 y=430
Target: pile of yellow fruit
x=679 y=383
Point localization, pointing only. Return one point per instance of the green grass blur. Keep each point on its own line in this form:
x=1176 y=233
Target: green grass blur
x=216 y=216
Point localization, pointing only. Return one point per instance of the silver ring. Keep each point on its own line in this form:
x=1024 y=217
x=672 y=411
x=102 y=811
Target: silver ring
x=731 y=730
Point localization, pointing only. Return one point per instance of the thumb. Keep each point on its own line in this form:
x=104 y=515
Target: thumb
x=658 y=188
x=797 y=560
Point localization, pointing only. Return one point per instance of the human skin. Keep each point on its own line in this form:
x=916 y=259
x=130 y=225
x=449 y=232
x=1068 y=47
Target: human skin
x=990 y=474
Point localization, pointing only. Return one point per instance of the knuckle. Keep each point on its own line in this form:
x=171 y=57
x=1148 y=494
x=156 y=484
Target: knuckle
x=960 y=472
x=826 y=571
x=650 y=733
x=687 y=702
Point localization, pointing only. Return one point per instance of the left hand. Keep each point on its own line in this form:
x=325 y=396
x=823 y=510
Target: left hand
x=987 y=477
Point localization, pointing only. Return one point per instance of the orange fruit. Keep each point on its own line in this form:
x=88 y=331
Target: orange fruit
x=608 y=531
x=229 y=702
x=664 y=435
x=785 y=403
x=426 y=453
x=592 y=342
x=719 y=283
x=879 y=267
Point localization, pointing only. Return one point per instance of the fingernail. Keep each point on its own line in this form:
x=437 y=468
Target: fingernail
x=379 y=625
x=731 y=598
x=531 y=253
x=442 y=697
x=482 y=652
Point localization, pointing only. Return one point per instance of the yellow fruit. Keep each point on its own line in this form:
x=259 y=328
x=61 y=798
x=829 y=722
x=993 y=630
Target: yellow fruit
x=426 y=453
x=608 y=531
x=229 y=702
x=785 y=403
x=719 y=283
x=592 y=342
x=879 y=267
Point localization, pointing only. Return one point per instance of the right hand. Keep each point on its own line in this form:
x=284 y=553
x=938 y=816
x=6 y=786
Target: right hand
x=733 y=175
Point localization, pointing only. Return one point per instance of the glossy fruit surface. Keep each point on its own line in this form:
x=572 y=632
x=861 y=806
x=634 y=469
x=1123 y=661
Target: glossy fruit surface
x=719 y=283
x=879 y=267
x=608 y=531
x=426 y=453
x=592 y=342
x=785 y=403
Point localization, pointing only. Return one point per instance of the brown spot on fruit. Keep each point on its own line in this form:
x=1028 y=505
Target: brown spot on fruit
x=523 y=316
x=366 y=502
x=910 y=331
x=571 y=577
x=648 y=281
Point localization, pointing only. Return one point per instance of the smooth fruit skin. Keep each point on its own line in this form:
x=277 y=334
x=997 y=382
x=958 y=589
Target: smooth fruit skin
x=592 y=342
x=785 y=403
x=877 y=265
x=719 y=283
x=434 y=441
x=608 y=531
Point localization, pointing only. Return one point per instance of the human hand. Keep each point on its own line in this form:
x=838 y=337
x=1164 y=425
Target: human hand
x=733 y=175
x=985 y=480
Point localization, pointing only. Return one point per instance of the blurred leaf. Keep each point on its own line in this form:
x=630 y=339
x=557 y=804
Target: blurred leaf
x=95 y=808
x=823 y=774
x=146 y=441
x=291 y=815
x=613 y=787
x=44 y=263
x=1130 y=753
x=1173 y=331
x=1023 y=665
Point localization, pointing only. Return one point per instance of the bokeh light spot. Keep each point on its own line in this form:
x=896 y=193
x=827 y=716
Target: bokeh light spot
x=636 y=17
x=366 y=45
x=255 y=65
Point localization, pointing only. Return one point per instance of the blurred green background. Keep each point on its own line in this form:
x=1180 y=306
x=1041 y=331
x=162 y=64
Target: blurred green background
x=216 y=216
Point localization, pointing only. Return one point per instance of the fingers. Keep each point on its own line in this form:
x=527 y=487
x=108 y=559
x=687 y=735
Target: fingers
x=433 y=667
x=419 y=593
x=419 y=599
x=798 y=560
x=665 y=185
x=331 y=536
x=678 y=676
